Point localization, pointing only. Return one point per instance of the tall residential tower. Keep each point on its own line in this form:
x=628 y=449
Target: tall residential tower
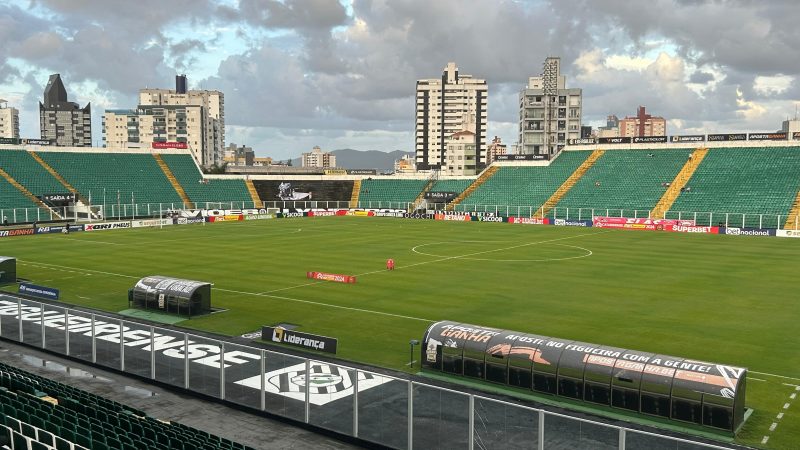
x=549 y=113
x=445 y=106
x=62 y=121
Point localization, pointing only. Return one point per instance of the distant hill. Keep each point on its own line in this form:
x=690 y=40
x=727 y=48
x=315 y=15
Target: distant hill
x=358 y=159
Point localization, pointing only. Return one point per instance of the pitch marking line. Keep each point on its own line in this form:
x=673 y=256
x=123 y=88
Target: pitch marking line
x=774 y=375
x=269 y=296
x=443 y=258
x=780 y=414
x=90 y=241
x=325 y=304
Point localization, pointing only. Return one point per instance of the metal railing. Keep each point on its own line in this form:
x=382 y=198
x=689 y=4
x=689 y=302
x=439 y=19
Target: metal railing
x=393 y=411
x=147 y=210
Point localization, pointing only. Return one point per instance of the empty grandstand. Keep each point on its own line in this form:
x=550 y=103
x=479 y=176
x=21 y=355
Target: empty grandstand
x=41 y=414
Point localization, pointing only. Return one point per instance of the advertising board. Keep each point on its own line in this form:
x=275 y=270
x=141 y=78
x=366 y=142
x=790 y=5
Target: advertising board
x=688 y=138
x=151 y=223
x=34 y=290
x=298 y=339
x=529 y=220
x=106 y=226
x=324 y=276
x=734 y=231
x=637 y=223
x=16 y=232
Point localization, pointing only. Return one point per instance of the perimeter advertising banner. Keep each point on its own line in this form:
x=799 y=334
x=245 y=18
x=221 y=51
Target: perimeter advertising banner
x=727 y=137
x=324 y=276
x=298 y=339
x=106 y=226
x=732 y=231
x=571 y=223
x=226 y=218
x=58 y=229
x=16 y=232
x=38 y=291
x=529 y=220
x=649 y=139
x=689 y=138
x=691 y=229
x=788 y=233
x=767 y=136
x=614 y=140
x=637 y=223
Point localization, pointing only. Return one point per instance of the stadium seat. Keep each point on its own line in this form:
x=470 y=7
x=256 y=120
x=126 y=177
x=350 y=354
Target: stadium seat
x=389 y=192
x=188 y=175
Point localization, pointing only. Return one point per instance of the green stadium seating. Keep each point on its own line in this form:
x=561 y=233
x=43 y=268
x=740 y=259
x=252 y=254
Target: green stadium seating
x=85 y=419
x=136 y=178
x=389 y=192
x=744 y=183
x=524 y=186
x=451 y=185
x=29 y=173
x=623 y=181
x=11 y=197
x=214 y=190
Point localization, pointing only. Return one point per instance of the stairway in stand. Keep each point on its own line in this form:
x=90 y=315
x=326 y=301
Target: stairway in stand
x=674 y=189
x=26 y=192
x=251 y=188
x=58 y=177
x=174 y=181
x=491 y=170
x=792 y=222
x=569 y=183
x=428 y=186
x=354 y=195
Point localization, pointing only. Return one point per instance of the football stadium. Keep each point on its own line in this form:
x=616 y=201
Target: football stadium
x=622 y=294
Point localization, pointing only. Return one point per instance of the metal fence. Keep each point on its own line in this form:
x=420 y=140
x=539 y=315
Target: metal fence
x=147 y=210
x=389 y=410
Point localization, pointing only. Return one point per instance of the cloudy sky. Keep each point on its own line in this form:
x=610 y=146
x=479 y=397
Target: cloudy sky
x=341 y=74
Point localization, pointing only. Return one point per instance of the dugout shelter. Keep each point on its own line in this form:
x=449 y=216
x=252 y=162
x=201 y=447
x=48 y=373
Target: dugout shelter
x=171 y=295
x=675 y=388
x=8 y=269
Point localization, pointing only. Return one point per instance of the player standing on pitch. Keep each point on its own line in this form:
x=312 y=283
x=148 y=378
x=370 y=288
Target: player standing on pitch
x=390 y=264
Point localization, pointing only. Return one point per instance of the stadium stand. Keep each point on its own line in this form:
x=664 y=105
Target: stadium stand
x=525 y=186
x=375 y=192
x=734 y=181
x=132 y=175
x=29 y=173
x=11 y=197
x=41 y=414
x=625 y=181
x=451 y=185
x=172 y=180
x=482 y=178
x=211 y=189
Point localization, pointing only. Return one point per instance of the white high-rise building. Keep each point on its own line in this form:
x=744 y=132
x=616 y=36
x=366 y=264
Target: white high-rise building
x=176 y=112
x=445 y=106
x=549 y=113
x=9 y=121
x=317 y=158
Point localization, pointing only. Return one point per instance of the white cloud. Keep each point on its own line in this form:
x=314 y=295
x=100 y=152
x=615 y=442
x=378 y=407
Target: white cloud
x=772 y=85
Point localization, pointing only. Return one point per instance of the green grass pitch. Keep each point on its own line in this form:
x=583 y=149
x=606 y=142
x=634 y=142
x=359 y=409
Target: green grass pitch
x=726 y=299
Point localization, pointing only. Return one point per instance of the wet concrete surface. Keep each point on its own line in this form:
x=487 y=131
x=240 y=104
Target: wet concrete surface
x=158 y=402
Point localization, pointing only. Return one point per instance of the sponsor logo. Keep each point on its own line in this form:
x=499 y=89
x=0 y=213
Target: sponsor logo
x=649 y=139
x=528 y=220
x=186 y=221
x=293 y=214
x=418 y=216
x=180 y=145
x=151 y=223
x=614 y=140
x=362 y=171
x=727 y=137
x=335 y=172
x=37 y=141
x=690 y=138
x=106 y=226
x=299 y=339
x=691 y=229
x=572 y=223
x=194 y=213
x=754 y=232
x=767 y=136
x=324 y=213
x=389 y=214
x=490 y=219
x=38 y=291
x=584 y=141
x=17 y=232
x=325 y=383
x=260 y=217
x=331 y=277
x=521 y=157
x=788 y=233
